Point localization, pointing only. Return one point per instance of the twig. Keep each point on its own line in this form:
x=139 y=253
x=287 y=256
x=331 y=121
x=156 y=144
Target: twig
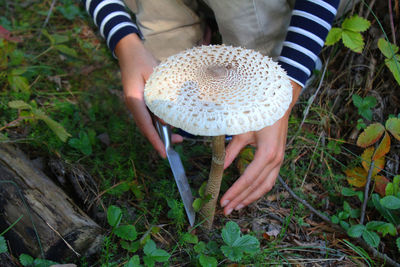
x=391 y=21
x=366 y=192
x=66 y=243
x=310 y=101
x=49 y=13
x=375 y=253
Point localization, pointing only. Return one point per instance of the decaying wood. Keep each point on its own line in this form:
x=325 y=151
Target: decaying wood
x=49 y=215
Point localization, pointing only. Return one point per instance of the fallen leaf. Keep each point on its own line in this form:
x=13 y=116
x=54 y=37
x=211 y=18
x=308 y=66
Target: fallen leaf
x=367 y=158
x=356 y=177
x=380 y=184
x=383 y=147
x=5 y=34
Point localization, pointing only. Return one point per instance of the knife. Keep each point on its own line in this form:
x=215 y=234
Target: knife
x=178 y=171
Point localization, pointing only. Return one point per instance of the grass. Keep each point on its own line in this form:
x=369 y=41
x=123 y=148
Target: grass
x=81 y=90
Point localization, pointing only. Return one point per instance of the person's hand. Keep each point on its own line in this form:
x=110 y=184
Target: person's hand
x=136 y=65
x=260 y=175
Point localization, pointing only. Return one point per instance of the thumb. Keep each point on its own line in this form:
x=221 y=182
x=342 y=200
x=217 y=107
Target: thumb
x=233 y=149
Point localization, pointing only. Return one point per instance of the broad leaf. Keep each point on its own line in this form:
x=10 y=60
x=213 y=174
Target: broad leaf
x=114 y=215
x=66 y=50
x=383 y=147
x=353 y=40
x=25 y=259
x=133 y=262
x=207 y=261
x=356 y=230
x=199 y=247
x=398 y=243
x=197 y=204
x=357 y=100
x=391 y=202
x=374 y=225
x=237 y=244
x=371 y=238
x=356 y=24
x=380 y=184
x=386 y=213
x=18 y=83
x=19 y=104
x=394 y=66
x=189 y=238
x=334 y=36
x=3 y=245
x=130 y=246
x=388 y=49
x=366 y=157
x=127 y=232
x=393 y=126
x=153 y=254
x=356 y=177
x=57 y=128
x=370 y=135
x=387 y=228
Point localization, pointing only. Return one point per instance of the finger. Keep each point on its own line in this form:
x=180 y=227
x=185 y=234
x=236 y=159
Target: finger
x=261 y=159
x=176 y=138
x=233 y=149
x=143 y=120
x=237 y=201
x=266 y=186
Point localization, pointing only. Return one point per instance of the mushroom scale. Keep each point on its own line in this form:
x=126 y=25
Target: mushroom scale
x=216 y=90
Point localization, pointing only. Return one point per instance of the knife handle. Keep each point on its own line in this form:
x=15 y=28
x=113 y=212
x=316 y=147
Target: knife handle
x=165 y=133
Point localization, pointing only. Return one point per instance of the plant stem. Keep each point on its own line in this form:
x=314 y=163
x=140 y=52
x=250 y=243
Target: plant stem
x=214 y=180
x=366 y=192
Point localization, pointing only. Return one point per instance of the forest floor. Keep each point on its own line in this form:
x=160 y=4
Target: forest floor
x=53 y=59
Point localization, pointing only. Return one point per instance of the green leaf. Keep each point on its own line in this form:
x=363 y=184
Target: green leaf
x=353 y=40
x=391 y=202
x=127 y=232
x=393 y=126
x=3 y=245
x=133 y=262
x=57 y=128
x=153 y=254
x=335 y=219
x=19 y=104
x=237 y=244
x=199 y=247
x=18 y=83
x=357 y=101
x=207 y=261
x=370 y=135
x=387 y=228
x=394 y=66
x=114 y=215
x=334 y=35
x=197 y=204
x=25 y=259
x=59 y=38
x=344 y=225
x=45 y=33
x=43 y=263
x=356 y=230
x=388 y=49
x=356 y=24
x=202 y=189
x=18 y=71
x=389 y=190
x=374 y=225
x=66 y=50
x=398 y=243
x=371 y=238
x=346 y=207
x=384 y=211
x=189 y=238
x=355 y=213
x=130 y=246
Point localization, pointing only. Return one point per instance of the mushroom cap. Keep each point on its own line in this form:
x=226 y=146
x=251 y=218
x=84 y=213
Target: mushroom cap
x=216 y=90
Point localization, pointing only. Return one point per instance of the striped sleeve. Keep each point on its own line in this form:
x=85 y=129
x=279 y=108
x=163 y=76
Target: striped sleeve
x=310 y=23
x=113 y=20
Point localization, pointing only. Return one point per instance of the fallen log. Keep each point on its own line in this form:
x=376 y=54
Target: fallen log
x=52 y=226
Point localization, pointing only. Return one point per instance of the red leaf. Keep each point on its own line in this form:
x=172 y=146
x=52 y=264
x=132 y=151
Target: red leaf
x=393 y=126
x=383 y=147
x=370 y=135
x=380 y=184
x=367 y=158
x=5 y=34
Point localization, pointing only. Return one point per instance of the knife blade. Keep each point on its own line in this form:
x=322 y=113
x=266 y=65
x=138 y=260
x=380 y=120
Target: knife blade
x=178 y=171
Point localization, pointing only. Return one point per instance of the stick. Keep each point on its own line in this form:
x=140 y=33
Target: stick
x=49 y=13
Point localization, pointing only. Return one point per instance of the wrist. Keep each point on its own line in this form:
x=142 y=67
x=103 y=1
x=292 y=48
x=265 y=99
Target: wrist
x=295 y=93
x=127 y=44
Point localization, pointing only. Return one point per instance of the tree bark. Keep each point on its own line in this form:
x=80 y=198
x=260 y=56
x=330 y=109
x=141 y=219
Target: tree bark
x=214 y=180
x=52 y=226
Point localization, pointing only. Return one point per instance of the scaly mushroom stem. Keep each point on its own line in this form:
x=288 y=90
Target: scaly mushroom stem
x=214 y=180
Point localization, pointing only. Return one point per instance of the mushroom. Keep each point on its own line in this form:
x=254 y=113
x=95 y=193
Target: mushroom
x=215 y=91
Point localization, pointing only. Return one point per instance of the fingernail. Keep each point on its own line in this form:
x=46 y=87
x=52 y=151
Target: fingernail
x=238 y=207
x=225 y=202
x=229 y=212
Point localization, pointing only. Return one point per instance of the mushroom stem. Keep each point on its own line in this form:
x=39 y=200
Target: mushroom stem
x=214 y=180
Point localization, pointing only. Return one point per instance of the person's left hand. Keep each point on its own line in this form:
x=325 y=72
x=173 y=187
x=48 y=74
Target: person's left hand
x=260 y=175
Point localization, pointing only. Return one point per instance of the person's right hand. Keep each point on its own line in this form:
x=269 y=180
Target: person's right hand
x=136 y=65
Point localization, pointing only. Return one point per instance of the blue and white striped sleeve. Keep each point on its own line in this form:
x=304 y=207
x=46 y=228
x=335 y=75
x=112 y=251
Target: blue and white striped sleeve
x=310 y=23
x=112 y=19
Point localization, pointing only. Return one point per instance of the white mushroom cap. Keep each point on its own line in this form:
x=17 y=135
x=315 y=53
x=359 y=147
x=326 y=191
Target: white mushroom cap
x=216 y=90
